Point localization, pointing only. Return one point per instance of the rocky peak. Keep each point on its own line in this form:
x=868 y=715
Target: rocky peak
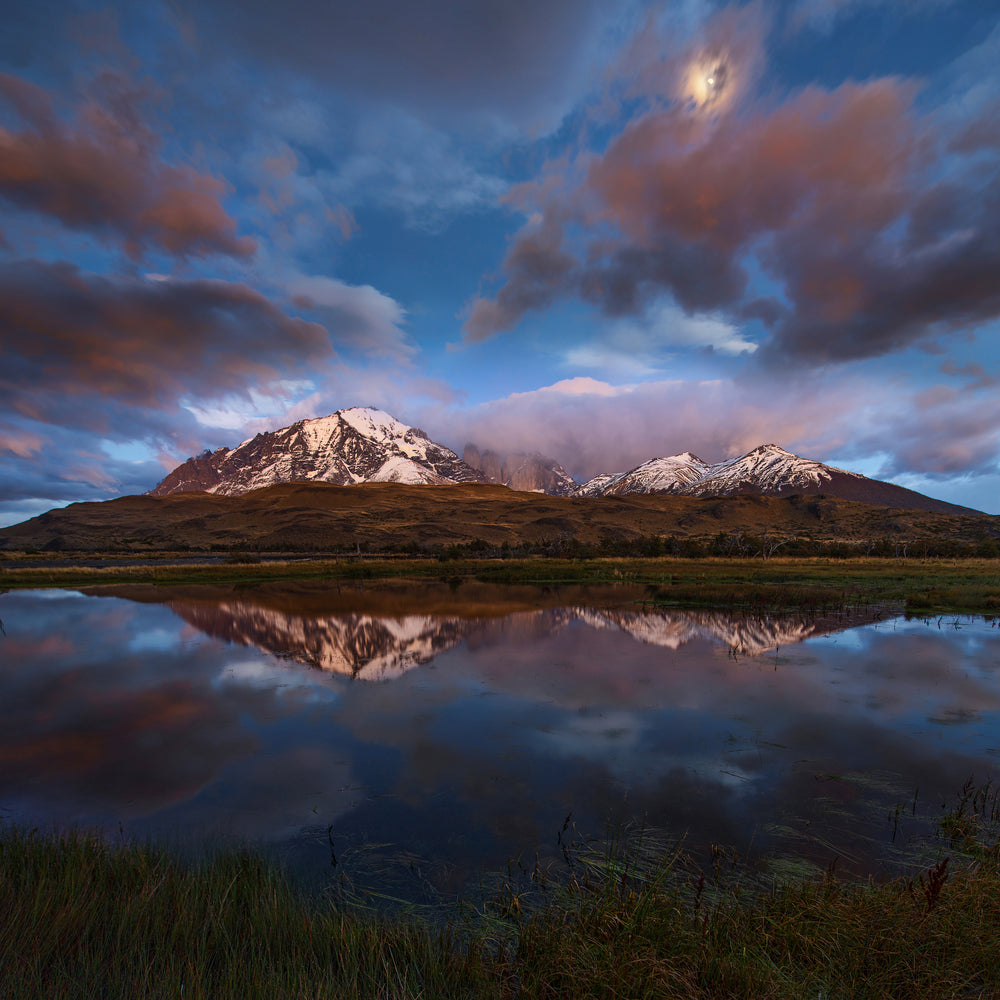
x=355 y=445
x=528 y=472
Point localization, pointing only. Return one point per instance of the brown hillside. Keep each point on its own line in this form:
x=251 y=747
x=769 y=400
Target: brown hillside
x=322 y=517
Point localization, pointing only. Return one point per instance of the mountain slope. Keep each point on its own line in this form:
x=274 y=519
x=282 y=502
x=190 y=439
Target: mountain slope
x=355 y=445
x=319 y=517
x=659 y=475
x=767 y=470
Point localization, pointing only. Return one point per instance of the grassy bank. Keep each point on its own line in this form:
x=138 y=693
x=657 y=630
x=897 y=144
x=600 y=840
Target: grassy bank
x=79 y=919
x=923 y=586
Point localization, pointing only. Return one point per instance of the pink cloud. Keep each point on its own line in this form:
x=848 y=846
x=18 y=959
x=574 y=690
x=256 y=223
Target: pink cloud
x=836 y=195
x=68 y=334
x=22 y=443
x=592 y=427
x=103 y=173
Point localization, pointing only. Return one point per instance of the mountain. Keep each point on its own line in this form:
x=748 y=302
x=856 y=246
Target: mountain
x=365 y=445
x=319 y=517
x=659 y=475
x=767 y=470
x=531 y=473
x=356 y=445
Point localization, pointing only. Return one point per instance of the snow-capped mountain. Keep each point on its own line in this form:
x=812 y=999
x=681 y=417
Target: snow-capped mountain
x=767 y=470
x=356 y=445
x=659 y=475
x=365 y=445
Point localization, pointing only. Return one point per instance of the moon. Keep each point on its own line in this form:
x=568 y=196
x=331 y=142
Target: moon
x=708 y=81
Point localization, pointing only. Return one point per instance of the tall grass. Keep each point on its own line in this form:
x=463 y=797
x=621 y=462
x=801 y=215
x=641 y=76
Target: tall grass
x=81 y=919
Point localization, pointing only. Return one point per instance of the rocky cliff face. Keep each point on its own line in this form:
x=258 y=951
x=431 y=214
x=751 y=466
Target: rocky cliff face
x=356 y=445
x=521 y=472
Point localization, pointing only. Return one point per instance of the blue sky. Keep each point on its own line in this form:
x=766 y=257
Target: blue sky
x=602 y=231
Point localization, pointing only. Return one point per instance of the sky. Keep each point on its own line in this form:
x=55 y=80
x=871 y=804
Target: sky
x=602 y=230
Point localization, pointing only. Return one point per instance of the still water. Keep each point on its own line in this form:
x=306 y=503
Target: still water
x=463 y=725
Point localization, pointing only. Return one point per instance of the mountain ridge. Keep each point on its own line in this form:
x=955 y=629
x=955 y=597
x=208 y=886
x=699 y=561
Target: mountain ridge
x=360 y=445
x=767 y=470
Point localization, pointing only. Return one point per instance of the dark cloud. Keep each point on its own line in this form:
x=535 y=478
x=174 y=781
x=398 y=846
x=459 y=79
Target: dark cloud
x=522 y=60
x=837 y=195
x=104 y=173
x=68 y=336
x=538 y=271
x=74 y=474
x=26 y=26
x=79 y=456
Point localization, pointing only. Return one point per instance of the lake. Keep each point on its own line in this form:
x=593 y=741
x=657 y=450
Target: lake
x=453 y=728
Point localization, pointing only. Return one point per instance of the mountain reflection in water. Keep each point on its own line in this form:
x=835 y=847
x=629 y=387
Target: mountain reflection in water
x=189 y=712
x=380 y=648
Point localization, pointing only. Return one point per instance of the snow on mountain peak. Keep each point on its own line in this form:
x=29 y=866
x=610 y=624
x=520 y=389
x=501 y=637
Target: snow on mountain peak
x=355 y=445
x=768 y=468
x=374 y=423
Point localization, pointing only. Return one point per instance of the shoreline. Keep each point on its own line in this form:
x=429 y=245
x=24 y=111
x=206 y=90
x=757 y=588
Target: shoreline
x=925 y=586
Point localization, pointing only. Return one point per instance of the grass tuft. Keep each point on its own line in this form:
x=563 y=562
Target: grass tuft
x=79 y=918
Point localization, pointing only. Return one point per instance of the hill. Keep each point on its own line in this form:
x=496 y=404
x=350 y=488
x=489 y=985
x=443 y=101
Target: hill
x=309 y=517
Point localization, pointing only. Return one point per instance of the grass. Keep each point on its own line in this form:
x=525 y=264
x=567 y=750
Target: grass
x=80 y=918
x=923 y=586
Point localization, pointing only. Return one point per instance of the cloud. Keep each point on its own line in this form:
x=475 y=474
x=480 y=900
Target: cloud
x=401 y=162
x=66 y=471
x=978 y=377
x=69 y=336
x=22 y=443
x=822 y=15
x=519 y=61
x=591 y=426
x=582 y=385
x=943 y=432
x=361 y=316
x=839 y=198
x=312 y=181
x=638 y=348
x=103 y=173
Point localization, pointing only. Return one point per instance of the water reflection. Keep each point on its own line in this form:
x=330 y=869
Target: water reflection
x=463 y=724
x=314 y=628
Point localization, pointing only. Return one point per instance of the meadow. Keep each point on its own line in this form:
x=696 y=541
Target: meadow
x=925 y=586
